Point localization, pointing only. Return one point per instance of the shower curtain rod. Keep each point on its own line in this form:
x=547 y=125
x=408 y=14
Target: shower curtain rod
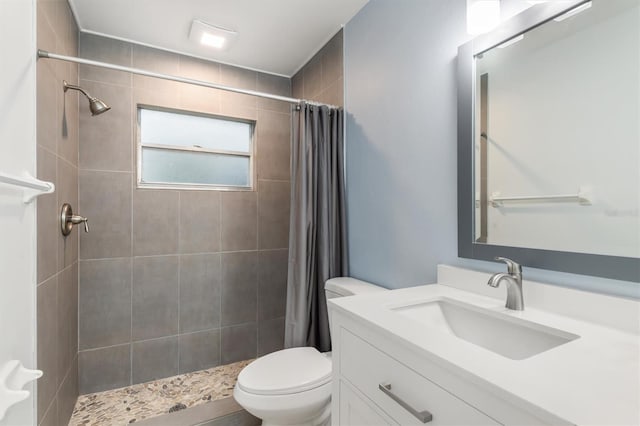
x=48 y=55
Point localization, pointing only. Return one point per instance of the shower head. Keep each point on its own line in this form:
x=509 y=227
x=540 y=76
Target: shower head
x=96 y=106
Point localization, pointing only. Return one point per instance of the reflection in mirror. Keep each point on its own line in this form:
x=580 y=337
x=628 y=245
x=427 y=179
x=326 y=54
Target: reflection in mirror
x=557 y=134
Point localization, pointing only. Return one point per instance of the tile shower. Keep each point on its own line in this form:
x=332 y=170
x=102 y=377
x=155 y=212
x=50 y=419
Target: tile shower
x=168 y=282
x=173 y=281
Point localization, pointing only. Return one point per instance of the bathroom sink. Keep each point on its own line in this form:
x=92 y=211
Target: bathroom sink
x=502 y=334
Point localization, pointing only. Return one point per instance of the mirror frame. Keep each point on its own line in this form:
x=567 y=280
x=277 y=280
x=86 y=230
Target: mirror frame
x=614 y=267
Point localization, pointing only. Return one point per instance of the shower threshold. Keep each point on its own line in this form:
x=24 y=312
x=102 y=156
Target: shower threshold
x=133 y=404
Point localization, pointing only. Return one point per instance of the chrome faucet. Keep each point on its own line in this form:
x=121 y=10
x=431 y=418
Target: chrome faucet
x=513 y=277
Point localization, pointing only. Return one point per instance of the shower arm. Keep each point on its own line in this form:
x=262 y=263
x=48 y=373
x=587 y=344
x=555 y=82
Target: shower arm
x=68 y=86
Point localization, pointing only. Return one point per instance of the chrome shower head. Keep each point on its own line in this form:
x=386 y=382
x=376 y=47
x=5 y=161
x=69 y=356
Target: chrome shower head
x=96 y=106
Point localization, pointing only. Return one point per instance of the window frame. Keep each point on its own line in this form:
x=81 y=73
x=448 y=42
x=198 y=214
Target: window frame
x=193 y=186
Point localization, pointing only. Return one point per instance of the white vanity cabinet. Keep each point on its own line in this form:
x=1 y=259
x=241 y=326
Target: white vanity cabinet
x=379 y=381
x=407 y=357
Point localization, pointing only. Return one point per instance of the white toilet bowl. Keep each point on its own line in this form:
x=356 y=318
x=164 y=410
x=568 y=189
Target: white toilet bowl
x=288 y=387
x=293 y=386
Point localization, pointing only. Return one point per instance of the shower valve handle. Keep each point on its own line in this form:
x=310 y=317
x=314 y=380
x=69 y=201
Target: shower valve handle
x=68 y=219
x=75 y=219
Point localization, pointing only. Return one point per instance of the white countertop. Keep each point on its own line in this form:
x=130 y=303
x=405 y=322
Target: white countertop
x=594 y=379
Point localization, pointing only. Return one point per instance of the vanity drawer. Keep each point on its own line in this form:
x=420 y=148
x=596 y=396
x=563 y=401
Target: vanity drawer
x=357 y=411
x=372 y=371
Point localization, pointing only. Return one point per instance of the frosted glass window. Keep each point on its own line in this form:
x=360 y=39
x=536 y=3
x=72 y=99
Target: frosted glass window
x=172 y=166
x=178 y=148
x=179 y=129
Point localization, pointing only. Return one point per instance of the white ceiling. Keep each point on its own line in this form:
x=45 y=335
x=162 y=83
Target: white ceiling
x=275 y=36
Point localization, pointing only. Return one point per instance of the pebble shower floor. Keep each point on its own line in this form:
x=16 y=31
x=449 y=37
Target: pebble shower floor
x=145 y=400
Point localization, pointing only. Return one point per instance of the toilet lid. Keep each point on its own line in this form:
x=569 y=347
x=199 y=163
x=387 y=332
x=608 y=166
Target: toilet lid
x=285 y=372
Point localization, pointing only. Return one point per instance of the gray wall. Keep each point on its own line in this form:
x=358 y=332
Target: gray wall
x=173 y=281
x=321 y=79
x=57 y=157
x=400 y=96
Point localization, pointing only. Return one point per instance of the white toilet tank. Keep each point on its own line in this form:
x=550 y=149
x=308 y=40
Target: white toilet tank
x=345 y=286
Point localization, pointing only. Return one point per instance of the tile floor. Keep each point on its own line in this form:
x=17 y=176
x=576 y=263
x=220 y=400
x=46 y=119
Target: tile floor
x=134 y=403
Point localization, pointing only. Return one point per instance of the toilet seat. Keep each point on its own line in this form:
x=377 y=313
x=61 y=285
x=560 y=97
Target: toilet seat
x=286 y=372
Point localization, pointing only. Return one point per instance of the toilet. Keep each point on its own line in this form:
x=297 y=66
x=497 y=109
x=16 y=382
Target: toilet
x=293 y=386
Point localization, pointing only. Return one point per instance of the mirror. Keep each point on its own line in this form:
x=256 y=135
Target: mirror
x=549 y=139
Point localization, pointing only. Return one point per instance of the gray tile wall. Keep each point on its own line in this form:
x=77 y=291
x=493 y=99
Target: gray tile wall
x=321 y=79
x=57 y=271
x=173 y=281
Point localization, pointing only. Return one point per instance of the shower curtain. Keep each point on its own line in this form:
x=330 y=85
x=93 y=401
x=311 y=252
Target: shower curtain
x=317 y=229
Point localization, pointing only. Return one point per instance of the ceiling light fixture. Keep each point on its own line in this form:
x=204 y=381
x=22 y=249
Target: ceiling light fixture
x=573 y=12
x=211 y=35
x=213 y=40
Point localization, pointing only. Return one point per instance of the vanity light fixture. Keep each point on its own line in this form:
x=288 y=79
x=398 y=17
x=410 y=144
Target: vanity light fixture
x=482 y=16
x=210 y=35
x=573 y=11
x=511 y=41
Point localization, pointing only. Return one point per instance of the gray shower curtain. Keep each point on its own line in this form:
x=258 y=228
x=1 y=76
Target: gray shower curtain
x=317 y=230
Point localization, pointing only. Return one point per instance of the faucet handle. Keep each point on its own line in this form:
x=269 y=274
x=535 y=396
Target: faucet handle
x=513 y=268
x=75 y=219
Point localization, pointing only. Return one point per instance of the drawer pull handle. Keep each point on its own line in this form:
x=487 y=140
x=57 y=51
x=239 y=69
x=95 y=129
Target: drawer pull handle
x=423 y=416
